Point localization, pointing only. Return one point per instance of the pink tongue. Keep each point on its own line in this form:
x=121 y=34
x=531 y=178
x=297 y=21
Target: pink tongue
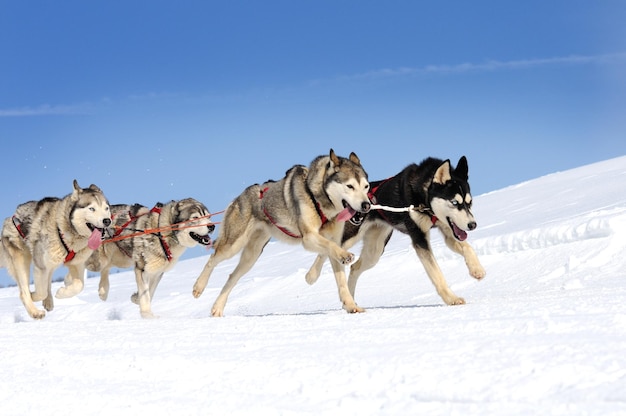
x=346 y=214
x=462 y=235
x=95 y=239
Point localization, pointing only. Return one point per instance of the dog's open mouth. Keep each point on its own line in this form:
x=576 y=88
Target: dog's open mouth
x=460 y=234
x=205 y=240
x=357 y=218
x=347 y=214
x=95 y=239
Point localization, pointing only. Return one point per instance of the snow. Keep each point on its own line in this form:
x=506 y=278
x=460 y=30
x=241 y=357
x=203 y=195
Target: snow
x=543 y=333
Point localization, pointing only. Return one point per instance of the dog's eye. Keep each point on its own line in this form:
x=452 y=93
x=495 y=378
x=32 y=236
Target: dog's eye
x=351 y=187
x=92 y=209
x=454 y=202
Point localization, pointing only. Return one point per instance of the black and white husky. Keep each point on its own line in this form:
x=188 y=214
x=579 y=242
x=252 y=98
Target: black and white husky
x=439 y=197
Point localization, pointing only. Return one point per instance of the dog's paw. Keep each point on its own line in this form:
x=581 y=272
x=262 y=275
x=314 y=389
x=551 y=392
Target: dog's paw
x=48 y=303
x=217 y=312
x=103 y=294
x=312 y=276
x=64 y=293
x=477 y=272
x=346 y=258
x=134 y=298
x=455 y=301
x=197 y=292
x=354 y=308
x=148 y=315
x=36 y=313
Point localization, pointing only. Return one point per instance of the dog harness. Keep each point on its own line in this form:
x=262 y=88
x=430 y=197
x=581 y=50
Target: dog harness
x=70 y=253
x=318 y=208
x=166 y=248
x=421 y=208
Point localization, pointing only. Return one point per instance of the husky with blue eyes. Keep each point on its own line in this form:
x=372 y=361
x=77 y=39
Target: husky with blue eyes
x=437 y=196
x=49 y=233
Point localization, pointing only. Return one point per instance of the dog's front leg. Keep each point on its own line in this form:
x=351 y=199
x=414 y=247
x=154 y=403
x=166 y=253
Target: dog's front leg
x=476 y=269
x=316 y=243
x=73 y=283
x=143 y=298
x=23 y=281
x=344 y=293
x=316 y=269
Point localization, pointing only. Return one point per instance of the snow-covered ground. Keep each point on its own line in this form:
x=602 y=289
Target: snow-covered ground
x=543 y=333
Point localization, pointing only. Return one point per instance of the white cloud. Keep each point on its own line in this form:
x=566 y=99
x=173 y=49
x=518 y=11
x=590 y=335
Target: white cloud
x=491 y=65
x=46 y=110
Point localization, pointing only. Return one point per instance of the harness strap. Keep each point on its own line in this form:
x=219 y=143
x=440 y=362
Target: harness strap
x=423 y=209
x=70 y=252
x=166 y=248
x=269 y=217
x=318 y=207
x=18 y=226
x=131 y=218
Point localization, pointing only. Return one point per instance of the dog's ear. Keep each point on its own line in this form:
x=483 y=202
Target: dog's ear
x=334 y=160
x=355 y=159
x=183 y=204
x=461 y=169
x=77 y=191
x=442 y=175
x=95 y=188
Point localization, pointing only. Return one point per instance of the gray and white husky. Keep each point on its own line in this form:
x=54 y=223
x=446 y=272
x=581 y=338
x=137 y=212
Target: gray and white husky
x=50 y=233
x=308 y=206
x=442 y=199
x=176 y=226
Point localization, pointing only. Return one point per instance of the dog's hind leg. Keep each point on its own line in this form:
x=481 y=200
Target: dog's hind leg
x=436 y=276
x=21 y=273
x=374 y=242
x=316 y=269
x=103 y=285
x=48 y=302
x=249 y=256
x=73 y=283
x=40 y=281
x=154 y=282
x=143 y=296
x=224 y=250
x=463 y=248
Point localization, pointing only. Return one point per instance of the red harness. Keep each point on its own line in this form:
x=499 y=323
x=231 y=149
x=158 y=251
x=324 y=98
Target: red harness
x=166 y=248
x=70 y=253
x=318 y=208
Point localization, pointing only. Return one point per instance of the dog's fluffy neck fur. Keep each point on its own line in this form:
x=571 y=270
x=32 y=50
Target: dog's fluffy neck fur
x=317 y=176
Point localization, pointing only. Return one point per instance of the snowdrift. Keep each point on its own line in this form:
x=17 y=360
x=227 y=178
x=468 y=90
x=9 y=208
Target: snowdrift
x=543 y=333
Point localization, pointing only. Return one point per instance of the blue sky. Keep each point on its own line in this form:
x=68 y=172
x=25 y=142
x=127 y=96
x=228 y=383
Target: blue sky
x=155 y=100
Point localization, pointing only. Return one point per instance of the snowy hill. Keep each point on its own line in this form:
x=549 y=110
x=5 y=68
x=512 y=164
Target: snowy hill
x=543 y=333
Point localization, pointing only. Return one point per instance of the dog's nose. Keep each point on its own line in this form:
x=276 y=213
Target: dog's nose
x=472 y=225
x=211 y=228
x=365 y=207
x=106 y=222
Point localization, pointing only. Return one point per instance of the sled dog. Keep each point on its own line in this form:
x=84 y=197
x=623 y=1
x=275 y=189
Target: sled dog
x=441 y=199
x=308 y=206
x=177 y=225
x=49 y=233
